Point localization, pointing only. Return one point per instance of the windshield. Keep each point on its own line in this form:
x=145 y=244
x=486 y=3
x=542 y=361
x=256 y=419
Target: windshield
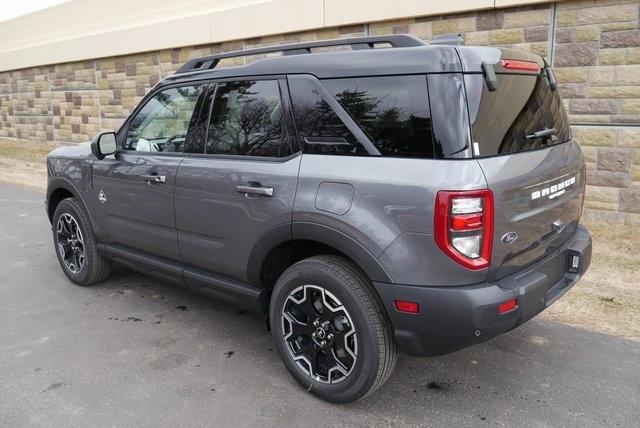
x=522 y=114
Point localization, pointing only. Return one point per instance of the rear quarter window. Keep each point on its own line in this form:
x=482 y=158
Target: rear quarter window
x=392 y=110
x=320 y=129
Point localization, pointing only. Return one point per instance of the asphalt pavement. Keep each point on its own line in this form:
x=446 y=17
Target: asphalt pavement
x=134 y=351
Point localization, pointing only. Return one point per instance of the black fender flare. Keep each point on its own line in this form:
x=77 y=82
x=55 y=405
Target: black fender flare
x=276 y=236
x=345 y=244
x=318 y=233
x=57 y=183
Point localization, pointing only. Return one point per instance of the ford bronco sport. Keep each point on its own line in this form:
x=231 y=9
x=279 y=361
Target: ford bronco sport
x=394 y=195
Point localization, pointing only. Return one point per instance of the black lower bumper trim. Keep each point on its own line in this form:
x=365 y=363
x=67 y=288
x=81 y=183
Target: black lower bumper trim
x=452 y=318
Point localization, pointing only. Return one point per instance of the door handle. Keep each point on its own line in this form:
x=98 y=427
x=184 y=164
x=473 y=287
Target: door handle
x=154 y=178
x=255 y=190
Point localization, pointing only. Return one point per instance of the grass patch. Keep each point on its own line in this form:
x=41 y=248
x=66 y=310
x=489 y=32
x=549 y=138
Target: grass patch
x=25 y=151
x=23 y=163
x=607 y=298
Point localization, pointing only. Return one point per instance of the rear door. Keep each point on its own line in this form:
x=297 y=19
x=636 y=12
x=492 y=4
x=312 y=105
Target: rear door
x=134 y=188
x=241 y=188
x=522 y=140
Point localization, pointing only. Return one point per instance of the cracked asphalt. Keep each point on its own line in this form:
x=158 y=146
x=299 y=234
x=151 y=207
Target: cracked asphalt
x=134 y=351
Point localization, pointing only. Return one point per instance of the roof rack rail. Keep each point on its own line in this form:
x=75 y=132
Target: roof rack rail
x=456 y=39
x=356 y=43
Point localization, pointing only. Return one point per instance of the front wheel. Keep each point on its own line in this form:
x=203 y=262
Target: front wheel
x=330 y=330
x=77 y=246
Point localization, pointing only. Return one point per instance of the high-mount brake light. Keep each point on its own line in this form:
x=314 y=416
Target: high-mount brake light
x=514 y=64
x=463 y=226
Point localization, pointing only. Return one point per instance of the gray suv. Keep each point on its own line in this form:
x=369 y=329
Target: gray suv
x=367 y=195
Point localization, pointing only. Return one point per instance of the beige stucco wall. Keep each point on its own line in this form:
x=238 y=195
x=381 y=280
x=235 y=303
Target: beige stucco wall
x=87 y=29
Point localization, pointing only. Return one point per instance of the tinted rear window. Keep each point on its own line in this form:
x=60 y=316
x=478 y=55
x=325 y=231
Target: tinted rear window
x=505 y=120
x=392 y=110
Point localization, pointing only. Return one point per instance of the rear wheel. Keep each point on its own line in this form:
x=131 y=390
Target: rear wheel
x=330 y=330
x=76 y=245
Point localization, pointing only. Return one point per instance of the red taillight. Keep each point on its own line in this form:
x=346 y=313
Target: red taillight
x=466 y=221
x=407 y=306
x=508 y=306
x=463 y=226
x=583 y=177
x=514 y=64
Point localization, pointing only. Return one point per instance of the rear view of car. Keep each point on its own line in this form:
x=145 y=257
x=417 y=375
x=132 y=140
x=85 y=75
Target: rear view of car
x=521 y=232
x=466 y=183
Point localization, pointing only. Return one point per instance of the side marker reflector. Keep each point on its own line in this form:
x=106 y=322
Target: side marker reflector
x=407 y=306
x=508 y=306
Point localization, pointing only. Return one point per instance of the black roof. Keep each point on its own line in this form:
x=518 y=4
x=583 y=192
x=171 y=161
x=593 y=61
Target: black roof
x=416 y=59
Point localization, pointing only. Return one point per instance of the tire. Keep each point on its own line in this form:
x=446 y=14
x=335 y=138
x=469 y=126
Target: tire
x=93 y=266
x=360 y=332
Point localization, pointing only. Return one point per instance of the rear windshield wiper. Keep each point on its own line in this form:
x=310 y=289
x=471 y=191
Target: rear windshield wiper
x=541 y=134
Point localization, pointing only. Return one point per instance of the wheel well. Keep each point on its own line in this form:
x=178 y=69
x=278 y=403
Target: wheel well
x=288 y=253
x=56 y=197
x=291 y=252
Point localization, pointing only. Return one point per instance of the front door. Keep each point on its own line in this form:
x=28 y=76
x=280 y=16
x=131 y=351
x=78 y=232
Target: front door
x=134 y=205
x=242 y=188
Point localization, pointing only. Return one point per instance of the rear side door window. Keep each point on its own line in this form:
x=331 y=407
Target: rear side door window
x=162 y=124
x=247 y=120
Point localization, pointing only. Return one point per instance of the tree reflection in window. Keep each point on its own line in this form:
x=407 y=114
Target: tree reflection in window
x=392 y=110
x=316 y=120
x=247 y=120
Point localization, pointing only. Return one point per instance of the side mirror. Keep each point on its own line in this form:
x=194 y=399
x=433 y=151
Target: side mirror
x=104 y=144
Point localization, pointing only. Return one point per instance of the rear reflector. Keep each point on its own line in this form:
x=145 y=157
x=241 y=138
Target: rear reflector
x=407 y=306
x=508 y=306
x=513 y=64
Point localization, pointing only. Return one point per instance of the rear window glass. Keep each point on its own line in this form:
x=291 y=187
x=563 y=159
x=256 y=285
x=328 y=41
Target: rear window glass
x=510 y=119
x=393 y=111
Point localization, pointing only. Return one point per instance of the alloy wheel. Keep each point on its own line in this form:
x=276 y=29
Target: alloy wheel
x=70 y=243
x=319 y=334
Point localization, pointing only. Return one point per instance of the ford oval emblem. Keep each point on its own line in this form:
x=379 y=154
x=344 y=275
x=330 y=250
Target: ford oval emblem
x=509 y=237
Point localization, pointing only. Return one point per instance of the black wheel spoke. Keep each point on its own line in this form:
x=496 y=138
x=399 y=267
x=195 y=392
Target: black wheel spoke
x=332 y=316
x=298 y=329
x=311 y=352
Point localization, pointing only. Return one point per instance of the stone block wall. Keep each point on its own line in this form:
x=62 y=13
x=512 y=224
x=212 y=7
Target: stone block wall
x=594 y=46
x=597 y=62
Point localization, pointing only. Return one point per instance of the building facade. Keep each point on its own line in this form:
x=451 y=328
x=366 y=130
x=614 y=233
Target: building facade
x=69 y=71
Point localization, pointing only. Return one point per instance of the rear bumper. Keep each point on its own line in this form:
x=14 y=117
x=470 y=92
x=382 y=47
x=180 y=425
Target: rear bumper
x=452 y=318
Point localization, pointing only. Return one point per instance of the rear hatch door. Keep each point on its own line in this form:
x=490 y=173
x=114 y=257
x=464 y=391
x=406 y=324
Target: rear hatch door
x=523 y=144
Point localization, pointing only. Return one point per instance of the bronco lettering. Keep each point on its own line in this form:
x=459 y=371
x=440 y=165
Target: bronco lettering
x=554 y=191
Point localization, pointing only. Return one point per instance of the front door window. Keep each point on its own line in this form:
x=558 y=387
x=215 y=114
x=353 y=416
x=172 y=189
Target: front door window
x=162 y=124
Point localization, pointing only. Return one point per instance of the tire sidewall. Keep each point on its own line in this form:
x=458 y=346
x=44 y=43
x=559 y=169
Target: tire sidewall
x=69 y=207
x=363 y=374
